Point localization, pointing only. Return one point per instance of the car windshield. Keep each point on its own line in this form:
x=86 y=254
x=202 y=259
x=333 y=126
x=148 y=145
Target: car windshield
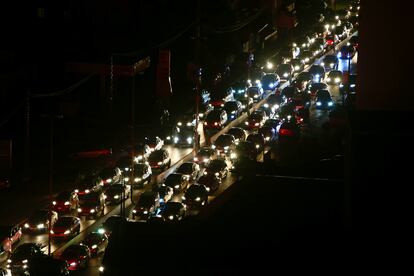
x=115 y=188
x=216 y=164
x=173 y=179
x=244 y=147
x=224 y=140
x=230 y=106
x=156 y=156
x=64 y=221
x=72 y=251
x=256 y=117
x=63 y=196
x=205 y=151
x=195 y=190
x=93 y=238
x=146 y=199
x=185 y=168
x=269 y=78
x=319 y=85
x=22 y=252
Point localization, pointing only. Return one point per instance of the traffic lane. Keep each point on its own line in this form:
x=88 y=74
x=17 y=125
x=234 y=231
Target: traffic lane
x=177 y=153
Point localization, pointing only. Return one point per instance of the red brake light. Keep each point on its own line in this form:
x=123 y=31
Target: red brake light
x=285 y=132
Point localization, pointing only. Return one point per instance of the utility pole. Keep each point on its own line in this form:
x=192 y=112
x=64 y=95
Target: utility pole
x=197 y=77
x=27 y=137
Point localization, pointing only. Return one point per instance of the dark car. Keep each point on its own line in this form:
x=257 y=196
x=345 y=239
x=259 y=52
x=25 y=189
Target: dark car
x=66 y=227
x=298 y=64
x=190 y=169
x=96 y=242
x=110 y=175
x=173 y=211
x=346 y=52
x=324 y=100
x=183 y=136
x=141 y=152
x=211 y=182
x=48 y=265
x=116 y=193
x=269 y=110
x=255 y=92
x=316 y=49
x=306 y=56
x=274 y=123
x=23 y=256
x=289 y=91
x=92 y=204
x=111 y=223
x=341 y=31
x=269 y=133
x=142 y=175
x=314 y=87
x=147 y=205
x=289 y=131
x=353 y=41
x=331 y=39
x=165 y=193
x=233 y=109
x=257 y=139
x=318 y=72
x=270 y=81
x=285 y=71
x=255 y=120
x=196 y=196
x=238 y=133
x=276 y=100
x=65 y=201
x=154 y=142
x=247 y=103
x=334 y=77
x=244 y=156
x=330 y=62
x=177 y=181
x=159 y=160
x=77 y=256
x=287 y=111
x=321 y=41
x=9 y=236
x=204 y=155
x=39 y=221
x=224 y=144
x=215 y=119
x=88 y=183
x=217 y=167
x=306 y=77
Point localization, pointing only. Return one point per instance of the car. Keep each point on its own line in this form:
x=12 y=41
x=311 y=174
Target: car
x=348 y=25
x=220 y=95
x=204 y=155
x=346 y=52
x=258 y=140
x=255 y=92
x=318 y=72
x=147 y=205
x=334 y=77
x=301 y=103
x=165 y=193
x=330 y=62
x=211 y=182
x=316 y=49
x=238 y=133
x=289 y=131
x=111 y=223
x=141 y=152
x=96 y=242
x=298 y=64
x=215 y=119
x=353 y=41
x=247 y=103
x=274 y=123
x=324 y=100
x=154 y=142
x=289 y=91
x=331 y=39
x=217 y=167
x=177 y=181
x=142 y=175
x=276 y=100
x=244 y=156
x=285 y=71
x=314 y=87
x=190 y=169
x=77 y=256
x=349 y=84
x=9 y=236
x=269 y=110
x=23 y=256
x=91 y=204
x=196 y=196
x=66 y=227
x=116 y=193
x=341 y=31
x=269 y=133
x=224 y=144
x=306 y=77
x=321 y=41
x=110 y=175
x=48 y=265
x=183 y=136
x=307 y=56
x=88 y=183
x=270 y=81
x=39 y=221
x=159 y=160
x=233 y=109
x=287 y=111
x=255 y=120
x=125 y=163
x=303 y=41
x=173 y=211
x=65 y=201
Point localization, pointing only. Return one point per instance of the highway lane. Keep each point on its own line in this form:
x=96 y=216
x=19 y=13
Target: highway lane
x=317 y=117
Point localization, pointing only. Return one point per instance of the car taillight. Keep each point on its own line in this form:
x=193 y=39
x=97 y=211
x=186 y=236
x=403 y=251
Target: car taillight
x=286 y=132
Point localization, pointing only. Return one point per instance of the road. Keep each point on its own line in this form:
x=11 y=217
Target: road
x=178 y=155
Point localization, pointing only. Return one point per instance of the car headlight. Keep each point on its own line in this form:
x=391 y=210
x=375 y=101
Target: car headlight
x=276 y=106
x=297 y=67
x=285 y=75
x=54 y=202
x=79 y=209
x=206 y=160
x=322 y=63
x=115 y=197
x=318 y=103
x=189 y=140
x=183 y=197
x=331 y=65
x=257 y=146
x=303 y=45
x=87 y=191
x=126 y=179
x=256 y=96
x=208 y=189
x=205 y=173
x=233 y=156
x=109 y=180
x=101 y=230
x=216 y=174
x=195 y=159
x=159 y=163
x=9 y=261
x=243 y=106
x=330 y=103
x=176 y=186
x=213 y=146
x=40 y=226
x=26 y=225
x=66 y=232
x=307 y=59
x=328 y=79
x=176 y=139
x=134 y=211
x=271 y=85
x=101 y=269
x=201 y=115
x=337 y=80
x=51 y=232
x=92 y=211
x=67 y=203
x=226 y=148
x=137 y=179
x=256 y=124
x=198 y=198
x=171 y=217
x=94 y=246
x=246 y=123
x=145 y=212
x=267 y=138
